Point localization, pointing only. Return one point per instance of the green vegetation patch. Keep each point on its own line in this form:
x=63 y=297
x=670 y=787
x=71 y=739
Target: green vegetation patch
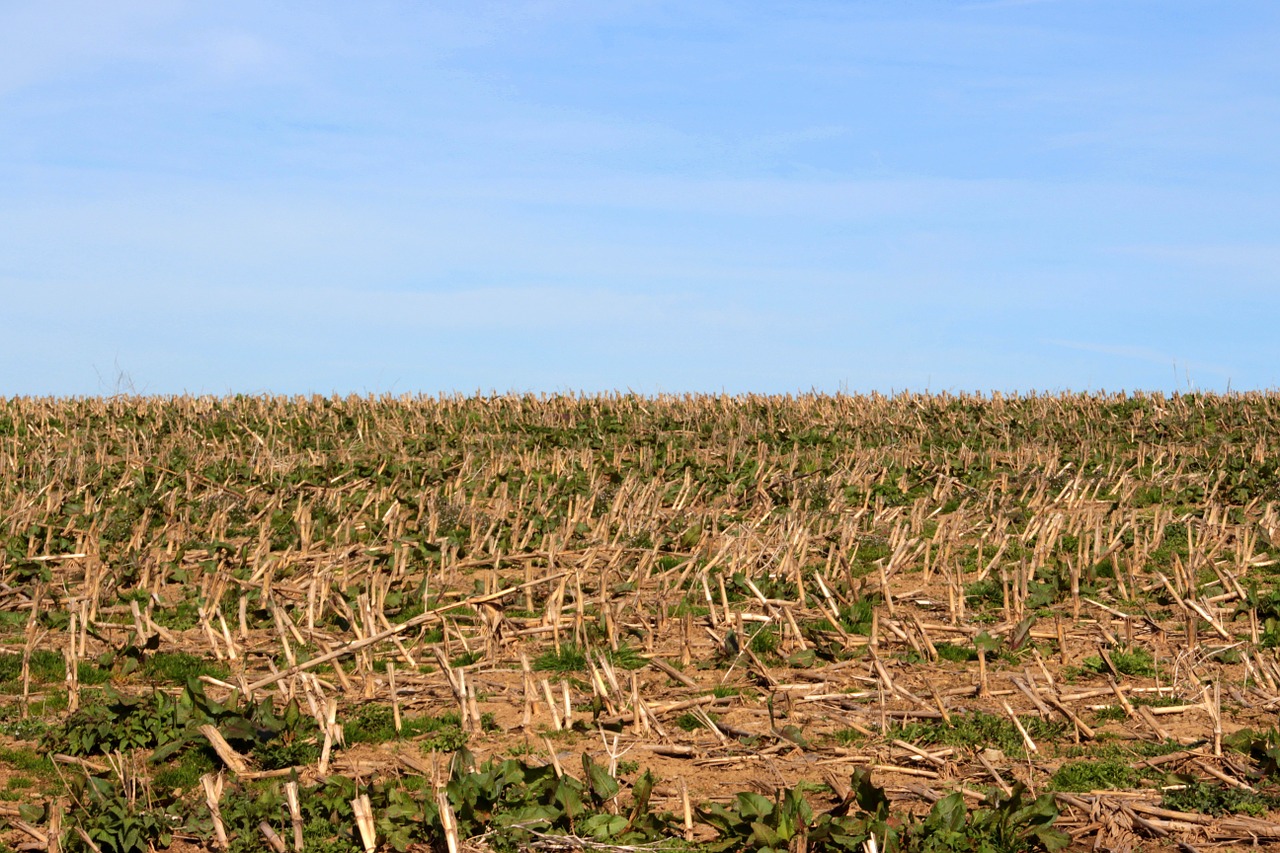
x=1001 y=825
x=45 y=667
x=178 y=667
x=573 y=658
x=1219 y=800
x=376 y=724
x=1096 y=775
x=956 y=653
x=171 y=725
x=980 y=730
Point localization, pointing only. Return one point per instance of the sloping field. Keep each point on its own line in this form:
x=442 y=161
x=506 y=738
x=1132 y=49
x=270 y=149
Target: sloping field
x=339 y=624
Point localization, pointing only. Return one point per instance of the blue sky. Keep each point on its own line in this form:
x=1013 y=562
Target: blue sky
x=551 y=196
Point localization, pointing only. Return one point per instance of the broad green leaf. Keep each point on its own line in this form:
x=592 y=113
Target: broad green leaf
x=948 y=813
x=763 y=835
x=603 y=827
x=986 y=642
x=32 y=812
x=640 y=794
x=752 y=805
x=569 y=796
x=602 y=786
x=869 y=796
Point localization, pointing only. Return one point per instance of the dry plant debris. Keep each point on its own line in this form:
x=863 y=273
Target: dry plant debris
x=207 y=600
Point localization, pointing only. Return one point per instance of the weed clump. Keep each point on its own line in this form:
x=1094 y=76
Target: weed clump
x=570 y=658
x=376 y=724
x=1082 y=776
x=1218 y=800
x=179 y=667
x=980 y=730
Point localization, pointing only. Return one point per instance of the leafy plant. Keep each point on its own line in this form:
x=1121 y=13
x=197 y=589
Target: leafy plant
x=1094 y=776
x=171 y=725
x=753 y=822
x=1262 y=746
x=511 y=798
x=980 y=730
x=1198 y=796
x=121 y=722
x=506 y=800
x=184 y=772
x=1136 y=662
x=116 y=822
x=856 y=616
x=1002 y=825
x=1267 y=606
x=29 y=729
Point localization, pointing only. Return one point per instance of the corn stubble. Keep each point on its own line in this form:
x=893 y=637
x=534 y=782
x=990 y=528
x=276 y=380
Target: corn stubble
x=577 y=573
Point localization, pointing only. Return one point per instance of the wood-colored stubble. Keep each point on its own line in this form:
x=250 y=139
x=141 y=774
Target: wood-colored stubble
x=811 y=564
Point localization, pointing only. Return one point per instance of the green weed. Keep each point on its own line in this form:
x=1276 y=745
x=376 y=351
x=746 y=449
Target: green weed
x=1219 y=800
x=956 y=653
x=29 y=761
x=118 y=823
x=979 y=730
x=376 y=724
x=570 y=658
x=1136 y=662
x=178 y=667
x=45 y=667
x=1094 y=776
x=1110 y=714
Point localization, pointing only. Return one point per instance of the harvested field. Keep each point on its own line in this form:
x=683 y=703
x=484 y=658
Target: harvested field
x=219 y=614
